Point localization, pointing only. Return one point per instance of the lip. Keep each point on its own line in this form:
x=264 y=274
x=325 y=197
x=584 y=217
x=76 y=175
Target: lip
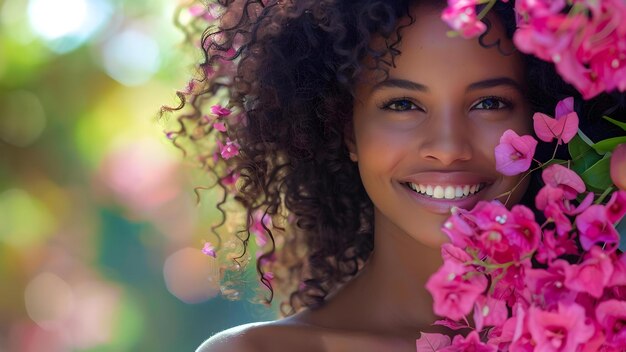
x=454 y=178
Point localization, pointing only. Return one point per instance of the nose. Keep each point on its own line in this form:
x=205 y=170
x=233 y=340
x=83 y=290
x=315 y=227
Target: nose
x=447 y=139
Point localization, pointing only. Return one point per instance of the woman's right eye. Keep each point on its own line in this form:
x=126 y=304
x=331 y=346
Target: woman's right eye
x=400 y=105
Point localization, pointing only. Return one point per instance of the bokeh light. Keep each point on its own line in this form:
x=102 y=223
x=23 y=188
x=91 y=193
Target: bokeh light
x=66 y=24
x=49 y=300
x=131 y=57
x=191 y=276
x=24 y=220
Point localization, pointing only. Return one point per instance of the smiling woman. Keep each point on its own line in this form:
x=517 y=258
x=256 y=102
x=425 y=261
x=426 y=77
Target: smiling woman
x=352 y=129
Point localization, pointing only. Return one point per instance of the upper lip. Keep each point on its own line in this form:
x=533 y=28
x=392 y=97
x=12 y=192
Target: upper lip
x=452 y=178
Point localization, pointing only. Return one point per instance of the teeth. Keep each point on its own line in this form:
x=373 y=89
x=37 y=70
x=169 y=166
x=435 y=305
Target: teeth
x=438 y=192
x=447 y=192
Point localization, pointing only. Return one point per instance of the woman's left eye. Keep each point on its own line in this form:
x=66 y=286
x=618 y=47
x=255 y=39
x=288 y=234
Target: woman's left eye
x=491 y=103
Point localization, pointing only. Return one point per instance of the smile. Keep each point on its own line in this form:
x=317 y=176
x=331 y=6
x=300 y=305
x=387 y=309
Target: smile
x=445 y=191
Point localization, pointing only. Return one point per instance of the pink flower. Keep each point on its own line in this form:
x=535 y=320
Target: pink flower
x=220 y=111
x=611 y=316
x=616 y=207
x=560 y=331
x=619 y=271
x=554 y=246
x=515 y=153
x=450 y=252
x=594 y=226
x=470 y=343
x=220 y=126
x=489 y=311
x=461 y=16
x=592 y=275
x=618 y=166
x=431 y=342
x=209 y=250
x=561 y=177
x=259 y=222
x=563 y=127
x=229 y=149
x=454 y=289
x=459 y=229
x=549 y=284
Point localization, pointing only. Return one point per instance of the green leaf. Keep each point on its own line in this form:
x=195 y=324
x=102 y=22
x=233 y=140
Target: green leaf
x=609 y=144
x=620 y=124
x=597 y=177
x=585 y=139
x=583 y=156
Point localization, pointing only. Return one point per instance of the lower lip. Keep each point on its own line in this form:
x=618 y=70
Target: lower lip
x=442 y=205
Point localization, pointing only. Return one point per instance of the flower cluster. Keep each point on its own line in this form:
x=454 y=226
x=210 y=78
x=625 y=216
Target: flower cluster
x=555 y=286
x=586 y=40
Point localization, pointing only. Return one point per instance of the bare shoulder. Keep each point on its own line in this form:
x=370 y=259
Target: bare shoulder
x=242 y=338
x=258 y=337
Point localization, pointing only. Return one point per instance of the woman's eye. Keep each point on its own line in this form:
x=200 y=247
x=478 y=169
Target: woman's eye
x=491 y=104
x=400 y=105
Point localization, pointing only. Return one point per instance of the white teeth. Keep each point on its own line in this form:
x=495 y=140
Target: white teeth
x=438 y=192
x=447 y=192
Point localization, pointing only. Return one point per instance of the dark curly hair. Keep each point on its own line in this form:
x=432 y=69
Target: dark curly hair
x=287 y=69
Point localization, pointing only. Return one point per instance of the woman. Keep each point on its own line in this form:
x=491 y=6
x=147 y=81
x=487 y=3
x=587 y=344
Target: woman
x=365 y=124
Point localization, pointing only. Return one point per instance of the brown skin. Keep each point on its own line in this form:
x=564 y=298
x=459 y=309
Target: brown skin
x=445 y=135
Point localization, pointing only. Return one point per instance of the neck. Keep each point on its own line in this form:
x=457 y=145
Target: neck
x=389 y=295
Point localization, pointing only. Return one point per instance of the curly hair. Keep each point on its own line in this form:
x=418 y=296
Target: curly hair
x=288 y=68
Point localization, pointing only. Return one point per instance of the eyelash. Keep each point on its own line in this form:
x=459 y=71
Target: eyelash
x=386 y=105
x=507 y=104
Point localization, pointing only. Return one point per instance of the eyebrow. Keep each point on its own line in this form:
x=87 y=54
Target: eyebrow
x=410 y=85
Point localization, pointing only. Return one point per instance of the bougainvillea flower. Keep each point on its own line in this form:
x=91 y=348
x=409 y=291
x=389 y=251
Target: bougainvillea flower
x=561 y=330
x=209 y=250
x=611 y=316
x=229 y=149
x=619 y=271
x=220 y=111
x=553 y=246
x=515 y=153
x=432 y=342
x=459 y=229
x=461 y=16
x=559 y=176
x=592 y=275
x=618 y=166
x=470 y=343
x=549 y=284
x=220 y=126
x=450 y=252
x=489 y=311
x=562 y=128
x=595 y=227
x=454 y=289
x=616 y=207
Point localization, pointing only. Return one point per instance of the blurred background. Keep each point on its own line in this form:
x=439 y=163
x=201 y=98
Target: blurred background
x=100 y=231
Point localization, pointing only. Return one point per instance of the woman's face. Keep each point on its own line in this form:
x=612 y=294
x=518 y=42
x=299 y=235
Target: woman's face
x=424 y=138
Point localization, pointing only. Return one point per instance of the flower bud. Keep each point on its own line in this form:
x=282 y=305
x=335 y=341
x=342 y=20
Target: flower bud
x=618 y=166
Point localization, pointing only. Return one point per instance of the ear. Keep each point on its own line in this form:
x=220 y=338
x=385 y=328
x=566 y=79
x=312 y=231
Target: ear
x=349 y=140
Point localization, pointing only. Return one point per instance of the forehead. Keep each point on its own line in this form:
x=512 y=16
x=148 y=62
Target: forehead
x=429 y=55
